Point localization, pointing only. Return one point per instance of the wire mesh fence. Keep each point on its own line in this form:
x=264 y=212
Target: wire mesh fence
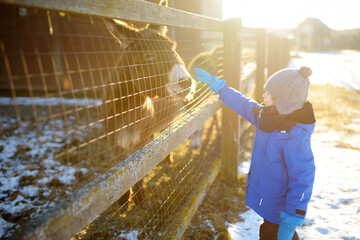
x=167 y=189
x=81 y=93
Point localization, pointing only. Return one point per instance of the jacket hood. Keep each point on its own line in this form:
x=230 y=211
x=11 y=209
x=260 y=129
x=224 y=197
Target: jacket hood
x=270 y=119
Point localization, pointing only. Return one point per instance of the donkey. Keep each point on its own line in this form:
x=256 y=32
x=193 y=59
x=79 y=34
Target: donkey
x=146 y=93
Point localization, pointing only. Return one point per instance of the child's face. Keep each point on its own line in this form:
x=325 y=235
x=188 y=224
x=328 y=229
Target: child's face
x=267 y=99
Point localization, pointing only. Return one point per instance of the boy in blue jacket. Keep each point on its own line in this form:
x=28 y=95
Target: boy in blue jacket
x=282 y=170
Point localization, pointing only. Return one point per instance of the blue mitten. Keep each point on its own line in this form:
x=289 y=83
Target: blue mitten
x=215 y=84
x=288 y=225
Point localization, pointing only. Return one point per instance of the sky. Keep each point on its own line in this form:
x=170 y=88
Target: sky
x=336 y=14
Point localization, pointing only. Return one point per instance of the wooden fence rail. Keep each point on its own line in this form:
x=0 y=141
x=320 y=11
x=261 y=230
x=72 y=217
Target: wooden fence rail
x=134 y=10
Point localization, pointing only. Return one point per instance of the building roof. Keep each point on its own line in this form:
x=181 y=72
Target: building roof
x=317 y=22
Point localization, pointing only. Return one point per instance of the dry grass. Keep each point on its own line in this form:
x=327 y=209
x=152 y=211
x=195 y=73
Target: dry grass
x=223 y=203
x=335 y=108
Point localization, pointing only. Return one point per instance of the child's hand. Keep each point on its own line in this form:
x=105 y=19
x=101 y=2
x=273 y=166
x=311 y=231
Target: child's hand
x=215 y=84
x=288 y=225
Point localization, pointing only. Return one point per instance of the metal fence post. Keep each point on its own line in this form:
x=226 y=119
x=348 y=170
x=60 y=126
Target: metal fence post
x=260 y=64
x=230 y=120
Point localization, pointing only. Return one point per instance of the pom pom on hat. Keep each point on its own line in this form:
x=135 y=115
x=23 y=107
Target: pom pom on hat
x=290 y=88
x=305 y=72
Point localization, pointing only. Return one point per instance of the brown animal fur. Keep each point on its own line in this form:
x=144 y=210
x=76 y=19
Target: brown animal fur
x=146 y=92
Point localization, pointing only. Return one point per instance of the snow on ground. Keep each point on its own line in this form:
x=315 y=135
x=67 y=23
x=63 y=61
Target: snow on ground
x=334 y=209
x=337 y=68
x=26 y=184
x=51 y=101
x=247 y=230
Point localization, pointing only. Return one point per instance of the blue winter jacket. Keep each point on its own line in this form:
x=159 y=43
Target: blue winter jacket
x=282 y=166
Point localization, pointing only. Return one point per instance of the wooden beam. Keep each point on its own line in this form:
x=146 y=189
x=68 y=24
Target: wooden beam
x=230 y=139
x=135 y=10
x=87 y=203
x=260 y=64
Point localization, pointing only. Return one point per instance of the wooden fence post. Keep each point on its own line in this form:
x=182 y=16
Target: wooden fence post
x=278 y=53
x=260 y=64
x=230 y=143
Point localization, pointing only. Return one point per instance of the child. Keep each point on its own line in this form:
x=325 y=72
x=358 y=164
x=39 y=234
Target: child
x=282 y=170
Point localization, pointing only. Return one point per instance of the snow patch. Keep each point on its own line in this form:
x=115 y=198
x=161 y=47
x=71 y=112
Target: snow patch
x=4 y=225
x=335 y=68
x=133 y=235
x=248 y=229
x=243 y=167
x=52 y=101
x=333 y=212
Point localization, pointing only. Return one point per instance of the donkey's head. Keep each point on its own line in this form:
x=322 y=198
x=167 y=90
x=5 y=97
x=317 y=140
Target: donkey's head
x=152 y=64
x=147 y=89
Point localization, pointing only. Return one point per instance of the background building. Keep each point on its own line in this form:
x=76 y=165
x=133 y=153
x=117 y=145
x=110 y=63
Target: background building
x=313 y=35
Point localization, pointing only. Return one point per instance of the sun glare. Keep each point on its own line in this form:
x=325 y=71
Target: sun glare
x=260 y=13
x=337 y=14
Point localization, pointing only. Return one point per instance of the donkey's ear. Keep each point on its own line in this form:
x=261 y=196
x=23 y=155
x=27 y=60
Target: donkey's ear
x=121 y=31
x=160 y=2
x=159 y=28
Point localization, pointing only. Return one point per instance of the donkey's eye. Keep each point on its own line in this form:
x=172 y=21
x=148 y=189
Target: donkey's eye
x=149 y=57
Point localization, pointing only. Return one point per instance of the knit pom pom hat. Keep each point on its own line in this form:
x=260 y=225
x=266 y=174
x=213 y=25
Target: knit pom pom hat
x=289 y=88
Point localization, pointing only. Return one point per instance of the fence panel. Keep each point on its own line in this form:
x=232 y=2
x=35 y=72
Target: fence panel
x=90 y=108
x=83 y=95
